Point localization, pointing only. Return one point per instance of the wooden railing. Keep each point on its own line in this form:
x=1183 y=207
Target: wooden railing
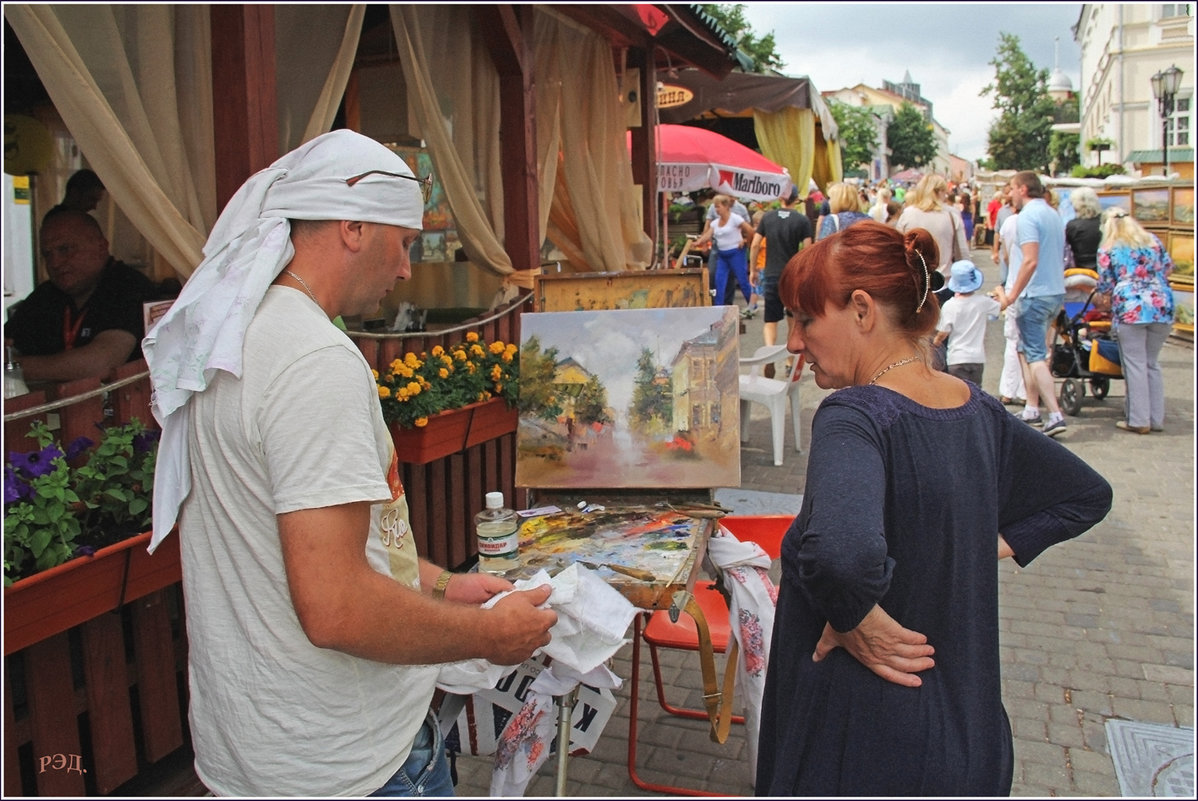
x=107 y=696
x=110 y=695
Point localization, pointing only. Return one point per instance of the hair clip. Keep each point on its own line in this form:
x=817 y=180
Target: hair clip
x=927 y=281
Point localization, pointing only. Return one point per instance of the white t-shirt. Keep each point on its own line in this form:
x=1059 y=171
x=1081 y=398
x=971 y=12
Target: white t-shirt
x=963 y=317
x=728 y=237
x=272 y=714
x=1010 y=247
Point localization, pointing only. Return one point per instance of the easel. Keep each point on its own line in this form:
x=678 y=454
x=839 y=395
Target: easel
x=655 y=589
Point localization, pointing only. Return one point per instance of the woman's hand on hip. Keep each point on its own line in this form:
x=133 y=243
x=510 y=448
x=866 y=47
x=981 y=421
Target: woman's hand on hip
x=880 y=643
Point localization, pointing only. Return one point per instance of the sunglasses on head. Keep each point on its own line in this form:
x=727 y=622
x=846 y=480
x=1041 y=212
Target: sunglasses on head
x=426 y=183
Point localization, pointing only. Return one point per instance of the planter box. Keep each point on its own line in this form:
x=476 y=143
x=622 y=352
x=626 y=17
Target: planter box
x=74 y=592
x=454 y=431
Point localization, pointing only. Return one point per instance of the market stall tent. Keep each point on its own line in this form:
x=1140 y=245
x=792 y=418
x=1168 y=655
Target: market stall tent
x=793 y=125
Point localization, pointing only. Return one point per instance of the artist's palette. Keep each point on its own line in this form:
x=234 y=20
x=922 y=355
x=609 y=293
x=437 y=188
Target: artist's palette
x=646 y=553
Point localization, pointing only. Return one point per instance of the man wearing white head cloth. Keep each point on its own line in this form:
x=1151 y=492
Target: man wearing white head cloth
x=314 y=627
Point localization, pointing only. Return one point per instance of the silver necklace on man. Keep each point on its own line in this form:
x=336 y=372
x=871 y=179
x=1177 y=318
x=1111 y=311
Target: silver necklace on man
x=304 y=284
x=890 y=367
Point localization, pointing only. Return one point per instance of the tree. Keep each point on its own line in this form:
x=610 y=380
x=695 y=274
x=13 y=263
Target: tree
x=762 y=51
x=1062 y=151
x=1019 y=139
x=858 y=134
x=910 y=137
x=651 y=409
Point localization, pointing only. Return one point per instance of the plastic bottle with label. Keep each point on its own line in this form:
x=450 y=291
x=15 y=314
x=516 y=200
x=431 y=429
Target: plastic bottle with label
x=498 y=536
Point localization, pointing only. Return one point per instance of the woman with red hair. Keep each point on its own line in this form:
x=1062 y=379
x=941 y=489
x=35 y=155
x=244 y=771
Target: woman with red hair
x=883 y=677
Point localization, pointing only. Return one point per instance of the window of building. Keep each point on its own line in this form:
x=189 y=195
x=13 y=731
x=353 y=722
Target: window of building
x=1175 y=10
x=1179 y=123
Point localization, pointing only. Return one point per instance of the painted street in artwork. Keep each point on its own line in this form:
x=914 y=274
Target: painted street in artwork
x=629 y=398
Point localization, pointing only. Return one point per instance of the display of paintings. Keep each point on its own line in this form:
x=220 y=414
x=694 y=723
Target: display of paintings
x=1151 y=206
x=437 y=215
x=639 y=289
x=629 y=398
x=1109 y=200
x=1181 y=250
x=1183 y=205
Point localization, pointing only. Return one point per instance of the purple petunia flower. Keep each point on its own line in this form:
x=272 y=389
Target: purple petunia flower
x=77 y=447
x=144 y=442
x=85 y=550
x=35 y=463
x=15 y=489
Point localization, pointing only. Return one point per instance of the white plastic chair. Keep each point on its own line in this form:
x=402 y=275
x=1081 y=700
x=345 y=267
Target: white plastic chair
x=775 y=394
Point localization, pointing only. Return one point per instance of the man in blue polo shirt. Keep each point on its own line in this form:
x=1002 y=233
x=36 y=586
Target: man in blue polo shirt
x=1038 y=291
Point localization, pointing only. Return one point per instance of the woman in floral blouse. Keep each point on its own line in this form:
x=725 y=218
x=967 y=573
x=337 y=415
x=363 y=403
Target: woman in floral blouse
x=1133 y=271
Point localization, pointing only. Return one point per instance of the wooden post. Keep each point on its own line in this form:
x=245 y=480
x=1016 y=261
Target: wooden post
x=244 y=116
x=507 y=32
x=644 y=143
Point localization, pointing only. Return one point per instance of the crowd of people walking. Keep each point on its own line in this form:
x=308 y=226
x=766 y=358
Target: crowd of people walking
x=1031 y=238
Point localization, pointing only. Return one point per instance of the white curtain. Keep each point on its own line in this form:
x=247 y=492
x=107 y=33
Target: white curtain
x=133 y=85
x=311 y=71
x=596 y=214
x=457 y=114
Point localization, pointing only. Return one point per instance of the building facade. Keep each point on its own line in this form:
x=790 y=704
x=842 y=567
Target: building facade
x=1122 y=46
x=884 y=103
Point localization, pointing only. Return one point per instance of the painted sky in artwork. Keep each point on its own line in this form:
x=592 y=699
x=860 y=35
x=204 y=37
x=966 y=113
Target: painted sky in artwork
x=606 y=347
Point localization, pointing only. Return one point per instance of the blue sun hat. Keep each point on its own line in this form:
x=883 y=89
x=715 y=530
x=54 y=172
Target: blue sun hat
x=966 y=277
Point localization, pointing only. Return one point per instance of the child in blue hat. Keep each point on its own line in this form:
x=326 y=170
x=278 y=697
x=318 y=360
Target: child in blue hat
x=963 y=322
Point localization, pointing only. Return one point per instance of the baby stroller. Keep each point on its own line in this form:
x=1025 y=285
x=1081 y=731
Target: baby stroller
x=1083 y=349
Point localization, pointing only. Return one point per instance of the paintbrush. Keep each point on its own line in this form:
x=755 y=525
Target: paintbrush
x=633 y=572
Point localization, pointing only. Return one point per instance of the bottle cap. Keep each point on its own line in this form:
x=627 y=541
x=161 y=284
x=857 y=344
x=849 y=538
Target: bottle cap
x=494 y=500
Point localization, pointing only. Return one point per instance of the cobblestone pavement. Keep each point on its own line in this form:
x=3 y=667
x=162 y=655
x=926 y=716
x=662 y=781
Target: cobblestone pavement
x=1099 y=628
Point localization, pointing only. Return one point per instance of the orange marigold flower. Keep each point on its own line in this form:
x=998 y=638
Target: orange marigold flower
x=384 y=392
x=472 y=336
x=420 y=422
x=497 y=348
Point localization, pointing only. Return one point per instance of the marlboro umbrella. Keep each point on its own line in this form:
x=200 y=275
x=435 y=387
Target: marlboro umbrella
x=691 y=158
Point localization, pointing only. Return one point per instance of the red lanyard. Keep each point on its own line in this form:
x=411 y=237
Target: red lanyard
x=70 y=331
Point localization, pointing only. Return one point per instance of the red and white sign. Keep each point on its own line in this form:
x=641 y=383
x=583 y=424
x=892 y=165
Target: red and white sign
x=691 y=158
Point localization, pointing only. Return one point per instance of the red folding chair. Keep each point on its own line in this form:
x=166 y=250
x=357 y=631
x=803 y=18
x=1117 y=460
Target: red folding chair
x=660 y=632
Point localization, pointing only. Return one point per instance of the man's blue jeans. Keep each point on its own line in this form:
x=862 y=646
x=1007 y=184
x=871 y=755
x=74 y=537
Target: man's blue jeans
x=426 y=770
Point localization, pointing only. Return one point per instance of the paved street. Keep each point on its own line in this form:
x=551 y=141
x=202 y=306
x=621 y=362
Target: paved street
x=1098 y=629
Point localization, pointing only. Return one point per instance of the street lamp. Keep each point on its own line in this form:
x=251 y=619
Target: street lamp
x=1164 y=88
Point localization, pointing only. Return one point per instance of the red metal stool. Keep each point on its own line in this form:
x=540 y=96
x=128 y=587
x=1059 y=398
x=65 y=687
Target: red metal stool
x=660 y=632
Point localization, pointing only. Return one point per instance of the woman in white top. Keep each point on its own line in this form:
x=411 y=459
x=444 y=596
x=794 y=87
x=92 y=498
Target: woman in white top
x=730 y=232
x=928 y=208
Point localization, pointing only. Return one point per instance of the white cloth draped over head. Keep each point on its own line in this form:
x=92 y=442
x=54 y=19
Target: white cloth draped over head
x=249 y=246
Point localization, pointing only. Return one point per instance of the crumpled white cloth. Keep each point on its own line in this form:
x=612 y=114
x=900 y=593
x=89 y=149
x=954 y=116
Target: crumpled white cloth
x=592 y=619
x=746 y=566
x=249 y=246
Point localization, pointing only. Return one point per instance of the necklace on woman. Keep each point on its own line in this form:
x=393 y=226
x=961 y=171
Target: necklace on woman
x=891 y=366
x=308 y=289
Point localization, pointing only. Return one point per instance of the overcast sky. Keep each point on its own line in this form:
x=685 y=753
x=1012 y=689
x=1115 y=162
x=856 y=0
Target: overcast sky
x=946 y=47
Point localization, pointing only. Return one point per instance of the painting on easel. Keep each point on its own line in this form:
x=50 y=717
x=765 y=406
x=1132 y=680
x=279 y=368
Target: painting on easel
x=629 y=398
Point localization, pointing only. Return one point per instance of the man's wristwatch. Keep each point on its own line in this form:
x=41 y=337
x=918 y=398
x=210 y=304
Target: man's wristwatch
x=441 y=585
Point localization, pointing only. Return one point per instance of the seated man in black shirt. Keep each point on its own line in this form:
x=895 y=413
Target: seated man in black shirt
x=87 y=319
